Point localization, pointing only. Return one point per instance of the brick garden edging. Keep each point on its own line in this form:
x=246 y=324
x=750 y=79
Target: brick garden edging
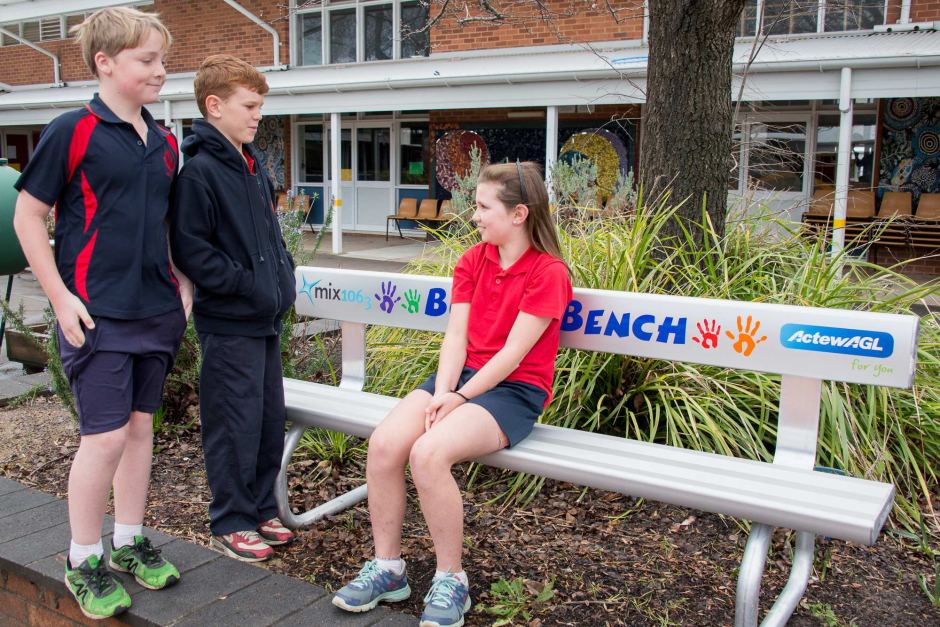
x=214 y=590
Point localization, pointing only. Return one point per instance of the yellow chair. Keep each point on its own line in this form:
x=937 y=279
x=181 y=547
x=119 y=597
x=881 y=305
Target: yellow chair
x=928 y=208
x=895 y=205
x=407 y=210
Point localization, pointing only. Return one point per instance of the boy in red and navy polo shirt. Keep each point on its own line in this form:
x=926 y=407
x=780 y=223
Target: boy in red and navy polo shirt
x=108 y=170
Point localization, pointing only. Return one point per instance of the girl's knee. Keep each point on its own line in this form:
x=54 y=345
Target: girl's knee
x=386 y=451
x=427 y=462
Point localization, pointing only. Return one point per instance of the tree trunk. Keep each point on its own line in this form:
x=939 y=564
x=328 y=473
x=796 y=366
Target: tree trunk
x=687 y=127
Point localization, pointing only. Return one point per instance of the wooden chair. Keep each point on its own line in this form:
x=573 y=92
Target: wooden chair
x=407 y=210
x=823 y=200
x=447 y=211
x=860 y=204
x=895 y=205
x=928 y=208
x=428 y=210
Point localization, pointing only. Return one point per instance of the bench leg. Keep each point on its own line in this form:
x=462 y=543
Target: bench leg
x=752 y=571
x=334 y=506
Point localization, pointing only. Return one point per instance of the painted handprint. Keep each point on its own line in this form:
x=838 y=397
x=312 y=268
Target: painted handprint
x=746 y=337
x=412 y=301
x=388 y=299
x=710 y=331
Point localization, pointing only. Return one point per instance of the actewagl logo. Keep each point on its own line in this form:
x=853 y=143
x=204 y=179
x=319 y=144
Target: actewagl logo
x=837 y=340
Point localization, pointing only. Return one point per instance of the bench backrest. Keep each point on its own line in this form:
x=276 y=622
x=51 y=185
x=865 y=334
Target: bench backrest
x=829 y=344
x=805 y=345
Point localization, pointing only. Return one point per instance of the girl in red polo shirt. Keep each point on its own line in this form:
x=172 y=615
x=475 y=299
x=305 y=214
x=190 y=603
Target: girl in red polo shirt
x=493 y=381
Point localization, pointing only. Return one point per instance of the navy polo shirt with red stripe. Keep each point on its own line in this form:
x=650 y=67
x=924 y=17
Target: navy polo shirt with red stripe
x=111 y=195
x=536 y=283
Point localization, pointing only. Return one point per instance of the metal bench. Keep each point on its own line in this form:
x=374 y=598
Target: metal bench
x=804 y=345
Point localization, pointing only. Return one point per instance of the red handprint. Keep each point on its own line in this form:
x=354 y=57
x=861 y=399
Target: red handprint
x=710 y=332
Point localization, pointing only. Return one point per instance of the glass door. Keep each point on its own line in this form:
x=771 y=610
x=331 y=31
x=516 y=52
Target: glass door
x=374 y=188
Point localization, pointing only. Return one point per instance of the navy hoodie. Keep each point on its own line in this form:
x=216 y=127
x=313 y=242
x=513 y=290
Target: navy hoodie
x=225 y=237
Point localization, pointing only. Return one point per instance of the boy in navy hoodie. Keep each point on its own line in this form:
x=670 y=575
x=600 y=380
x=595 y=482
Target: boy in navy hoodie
x=225 y=237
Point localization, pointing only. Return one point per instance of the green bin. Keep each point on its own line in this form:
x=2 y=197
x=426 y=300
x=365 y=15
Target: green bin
x=12 y=260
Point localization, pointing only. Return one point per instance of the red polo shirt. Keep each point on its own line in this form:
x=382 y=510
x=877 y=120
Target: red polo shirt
x=537 y=284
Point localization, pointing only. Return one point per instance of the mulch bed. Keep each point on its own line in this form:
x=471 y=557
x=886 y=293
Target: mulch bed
x=610 y=559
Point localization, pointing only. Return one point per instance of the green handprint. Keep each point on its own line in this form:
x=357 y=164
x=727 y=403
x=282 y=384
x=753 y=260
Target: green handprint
x=412 y=301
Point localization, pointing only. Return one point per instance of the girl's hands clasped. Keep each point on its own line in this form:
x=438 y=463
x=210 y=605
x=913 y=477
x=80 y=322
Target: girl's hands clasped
x=439 y=406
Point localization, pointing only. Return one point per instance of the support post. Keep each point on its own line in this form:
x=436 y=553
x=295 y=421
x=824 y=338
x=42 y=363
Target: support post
x=336 y=194
x=842 y=165
x=551 y=148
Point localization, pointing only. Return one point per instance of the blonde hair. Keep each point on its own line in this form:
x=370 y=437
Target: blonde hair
x=509 y=179
x=115 y=29
x=221 y=74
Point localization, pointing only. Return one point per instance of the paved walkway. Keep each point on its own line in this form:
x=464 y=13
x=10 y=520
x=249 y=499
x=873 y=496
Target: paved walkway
x=213 y=590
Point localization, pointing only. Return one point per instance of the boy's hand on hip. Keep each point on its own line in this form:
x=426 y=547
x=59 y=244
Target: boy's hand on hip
x=71 y=313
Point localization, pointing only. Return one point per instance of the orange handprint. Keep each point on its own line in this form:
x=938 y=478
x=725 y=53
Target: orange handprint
x=710 y=333
x=745 y=343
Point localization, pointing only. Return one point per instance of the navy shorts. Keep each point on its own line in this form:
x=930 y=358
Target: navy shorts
x=120 y=368
x=515 y=405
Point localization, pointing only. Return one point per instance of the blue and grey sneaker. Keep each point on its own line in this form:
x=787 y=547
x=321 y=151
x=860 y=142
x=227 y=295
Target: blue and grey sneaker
x=445 y=603
x=370 y=586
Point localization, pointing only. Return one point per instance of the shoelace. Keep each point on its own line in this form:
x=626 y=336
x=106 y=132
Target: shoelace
x=367 y=574
x=148 y=554
x=442 y=592
x=98 y=579
x=251 y=536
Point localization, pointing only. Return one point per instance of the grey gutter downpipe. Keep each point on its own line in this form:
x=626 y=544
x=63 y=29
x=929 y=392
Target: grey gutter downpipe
x=257 y=20
x=905 y=12
x=55 y=59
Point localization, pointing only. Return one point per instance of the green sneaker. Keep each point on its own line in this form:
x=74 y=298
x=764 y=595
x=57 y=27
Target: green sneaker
x=144 y=562
x=99 y=594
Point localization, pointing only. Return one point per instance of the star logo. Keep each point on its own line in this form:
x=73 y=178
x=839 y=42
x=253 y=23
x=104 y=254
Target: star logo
x=307 y=288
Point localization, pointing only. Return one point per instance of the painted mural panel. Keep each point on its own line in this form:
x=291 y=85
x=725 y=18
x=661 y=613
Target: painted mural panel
x=910 y=146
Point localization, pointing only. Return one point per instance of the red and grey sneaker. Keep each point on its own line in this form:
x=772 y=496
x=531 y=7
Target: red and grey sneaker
x=246 y=546
x=274 y=532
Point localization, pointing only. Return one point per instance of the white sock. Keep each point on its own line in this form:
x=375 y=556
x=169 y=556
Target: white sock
x=461 y=576
x=124 y=534
x=396 y=565
x=78 y=553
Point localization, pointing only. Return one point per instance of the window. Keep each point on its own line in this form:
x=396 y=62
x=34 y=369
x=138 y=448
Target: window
x=378 y=38
x=415 y=154
x=50 y=28
x=786 y=17
x=311 y=167
x=776 y=156
x=861 y=159
x=349 y=31
x=854 y=15
x=373 y=154
x=345 y=156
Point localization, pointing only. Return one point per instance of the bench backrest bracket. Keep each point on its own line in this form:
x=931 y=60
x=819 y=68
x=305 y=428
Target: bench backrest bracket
x=798 y=423
x=354 y=356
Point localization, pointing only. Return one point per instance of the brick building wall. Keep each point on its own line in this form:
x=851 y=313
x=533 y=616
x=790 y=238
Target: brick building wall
x=566 y=21
x=199 y=28
x=27 y=603
x=924 y=10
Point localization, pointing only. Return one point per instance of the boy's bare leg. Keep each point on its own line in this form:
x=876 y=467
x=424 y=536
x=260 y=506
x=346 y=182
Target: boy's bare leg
x=90 y=479
x=132 y=479
x=466 y=433
x=389 y=447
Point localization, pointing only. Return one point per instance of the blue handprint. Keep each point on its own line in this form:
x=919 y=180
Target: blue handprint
x=386 y=302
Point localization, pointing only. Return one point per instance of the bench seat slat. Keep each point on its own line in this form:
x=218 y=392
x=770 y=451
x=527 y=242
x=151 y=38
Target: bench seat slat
x=824 y=504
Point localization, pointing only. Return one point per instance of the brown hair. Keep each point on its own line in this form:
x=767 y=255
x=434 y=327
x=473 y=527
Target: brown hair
x=116 y=29
x=221 y=74
x=539 y=225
